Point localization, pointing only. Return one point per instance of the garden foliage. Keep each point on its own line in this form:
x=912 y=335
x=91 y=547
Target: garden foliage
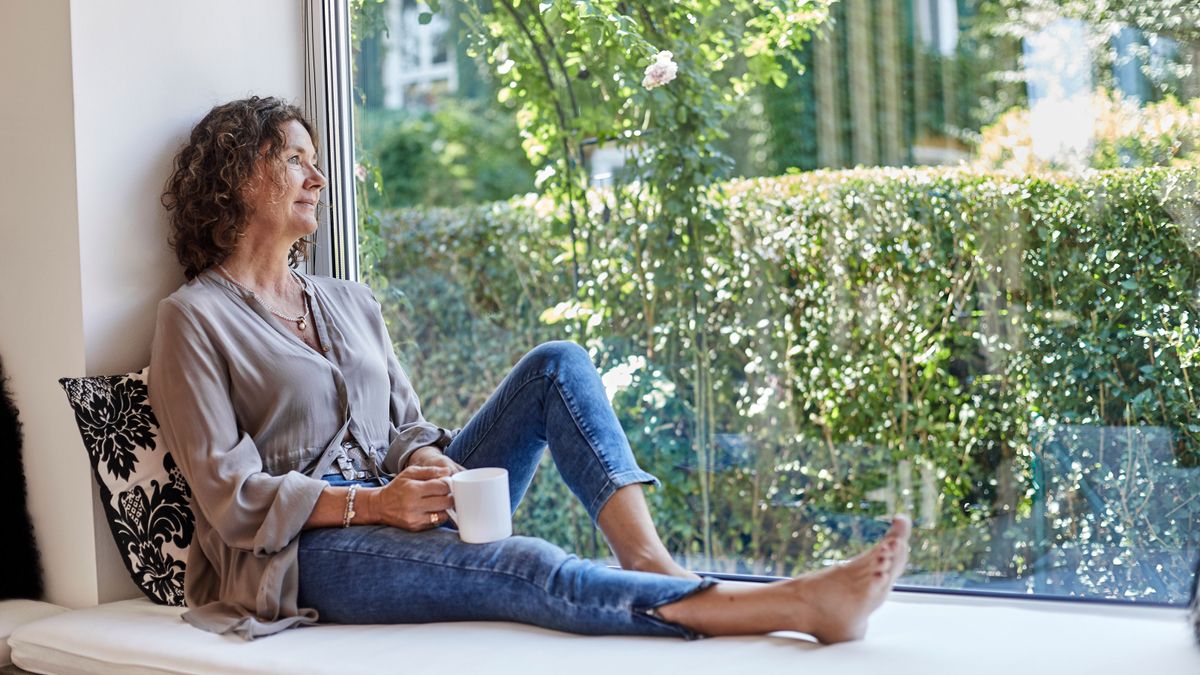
x=466 y=153
x=1010 y=359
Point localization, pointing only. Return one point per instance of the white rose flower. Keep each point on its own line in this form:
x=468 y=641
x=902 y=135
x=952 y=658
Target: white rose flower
x=661 y=71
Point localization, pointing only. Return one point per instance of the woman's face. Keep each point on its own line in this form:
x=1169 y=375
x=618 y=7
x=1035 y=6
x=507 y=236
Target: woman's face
x=284 y=189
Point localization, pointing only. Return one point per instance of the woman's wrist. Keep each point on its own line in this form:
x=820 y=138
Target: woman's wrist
x=366 y=507
x=422 y=453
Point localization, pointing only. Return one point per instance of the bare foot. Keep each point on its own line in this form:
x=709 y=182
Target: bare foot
x=833 y=605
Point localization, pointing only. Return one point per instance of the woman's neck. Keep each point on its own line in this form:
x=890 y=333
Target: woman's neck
x=261 y=268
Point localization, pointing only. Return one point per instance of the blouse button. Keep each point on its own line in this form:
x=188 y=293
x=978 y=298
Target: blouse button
x=325 y=350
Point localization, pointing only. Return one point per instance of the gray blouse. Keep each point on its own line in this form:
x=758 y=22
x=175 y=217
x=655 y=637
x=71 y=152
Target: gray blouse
x=244 y=405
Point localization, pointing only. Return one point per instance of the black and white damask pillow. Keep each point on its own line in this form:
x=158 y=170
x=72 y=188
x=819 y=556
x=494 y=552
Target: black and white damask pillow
x=146 y=499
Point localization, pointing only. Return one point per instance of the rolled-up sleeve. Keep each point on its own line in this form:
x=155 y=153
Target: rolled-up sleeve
x=189 y=391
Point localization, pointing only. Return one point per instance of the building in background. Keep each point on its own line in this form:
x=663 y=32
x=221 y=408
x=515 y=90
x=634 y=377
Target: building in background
x=890 y=82
x=410 y=65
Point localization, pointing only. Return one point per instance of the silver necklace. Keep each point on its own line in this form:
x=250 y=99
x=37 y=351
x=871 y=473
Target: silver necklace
x=300 y=321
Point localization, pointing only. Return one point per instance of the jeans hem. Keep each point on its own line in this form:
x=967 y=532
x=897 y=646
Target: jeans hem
x=651 y=613
x=615 y=482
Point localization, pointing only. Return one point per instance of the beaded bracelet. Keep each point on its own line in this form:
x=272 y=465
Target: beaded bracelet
x=349 y=506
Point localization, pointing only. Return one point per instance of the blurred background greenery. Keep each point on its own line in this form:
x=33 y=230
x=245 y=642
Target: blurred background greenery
x=1003 y=346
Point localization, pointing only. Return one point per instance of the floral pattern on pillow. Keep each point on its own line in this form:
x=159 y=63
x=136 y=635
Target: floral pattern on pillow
x=146 y=499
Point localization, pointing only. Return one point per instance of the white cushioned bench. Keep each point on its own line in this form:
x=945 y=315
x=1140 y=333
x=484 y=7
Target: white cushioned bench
x=912 y=633
x=17 y=613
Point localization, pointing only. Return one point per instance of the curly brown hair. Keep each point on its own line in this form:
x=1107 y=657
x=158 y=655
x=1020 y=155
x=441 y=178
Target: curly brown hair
x=204 y=195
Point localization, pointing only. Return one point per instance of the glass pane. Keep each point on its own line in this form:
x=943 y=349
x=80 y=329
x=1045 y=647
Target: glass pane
x=994 y=331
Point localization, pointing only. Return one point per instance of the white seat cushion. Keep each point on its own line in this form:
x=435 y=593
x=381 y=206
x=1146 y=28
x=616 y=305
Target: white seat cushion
x=912 y=633
x=17 y=613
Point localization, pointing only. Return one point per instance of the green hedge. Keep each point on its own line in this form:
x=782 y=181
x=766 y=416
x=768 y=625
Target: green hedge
x=963 y=345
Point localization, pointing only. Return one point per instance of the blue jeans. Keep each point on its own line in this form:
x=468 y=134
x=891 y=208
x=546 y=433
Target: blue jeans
x=380 y=574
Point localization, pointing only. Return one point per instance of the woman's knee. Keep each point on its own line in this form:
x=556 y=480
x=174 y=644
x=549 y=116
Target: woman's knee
x=539 y=550
x=529 y=557
x=558 y=355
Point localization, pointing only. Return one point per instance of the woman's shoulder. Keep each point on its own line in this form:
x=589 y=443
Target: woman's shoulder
x=196 y=296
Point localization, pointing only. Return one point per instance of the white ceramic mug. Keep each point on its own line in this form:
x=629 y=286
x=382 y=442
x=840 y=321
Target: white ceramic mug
x=481 y=507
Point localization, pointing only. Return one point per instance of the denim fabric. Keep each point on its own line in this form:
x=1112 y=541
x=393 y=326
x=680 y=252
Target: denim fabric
x=378 y=574
x=552 y=396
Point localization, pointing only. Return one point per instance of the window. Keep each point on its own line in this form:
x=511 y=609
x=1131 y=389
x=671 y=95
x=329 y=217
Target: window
x=994 y=331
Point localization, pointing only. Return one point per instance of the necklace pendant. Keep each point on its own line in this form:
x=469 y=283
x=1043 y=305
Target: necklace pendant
x=300 y=324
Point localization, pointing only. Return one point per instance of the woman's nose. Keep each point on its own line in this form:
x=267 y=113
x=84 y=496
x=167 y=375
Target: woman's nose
x=316 y=178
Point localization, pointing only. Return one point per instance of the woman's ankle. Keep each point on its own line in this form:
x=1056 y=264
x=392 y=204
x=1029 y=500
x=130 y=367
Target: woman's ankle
x=732 y=609
x=659 y=564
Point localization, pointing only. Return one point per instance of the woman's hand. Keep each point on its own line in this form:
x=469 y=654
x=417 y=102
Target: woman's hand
x=431 y=456
x=416 y=499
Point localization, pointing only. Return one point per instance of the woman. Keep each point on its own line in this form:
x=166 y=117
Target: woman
x=317 y=484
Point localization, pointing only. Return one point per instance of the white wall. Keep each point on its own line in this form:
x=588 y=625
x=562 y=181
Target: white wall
x=41 y=333
x=123 y=83
x=145 y=72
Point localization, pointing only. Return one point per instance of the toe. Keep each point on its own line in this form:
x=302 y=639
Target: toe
x=901 y=528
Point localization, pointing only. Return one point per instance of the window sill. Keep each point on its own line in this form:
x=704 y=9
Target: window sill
x=912 y=633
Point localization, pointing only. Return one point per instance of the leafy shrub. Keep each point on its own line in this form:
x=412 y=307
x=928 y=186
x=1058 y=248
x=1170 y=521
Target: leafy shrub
x=465 y=152
x=947 y=342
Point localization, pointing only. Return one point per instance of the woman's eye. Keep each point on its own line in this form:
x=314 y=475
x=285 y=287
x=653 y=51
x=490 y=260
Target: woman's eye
x=294 y=159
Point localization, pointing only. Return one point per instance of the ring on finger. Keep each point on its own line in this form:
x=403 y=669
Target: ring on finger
x=433 y=519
